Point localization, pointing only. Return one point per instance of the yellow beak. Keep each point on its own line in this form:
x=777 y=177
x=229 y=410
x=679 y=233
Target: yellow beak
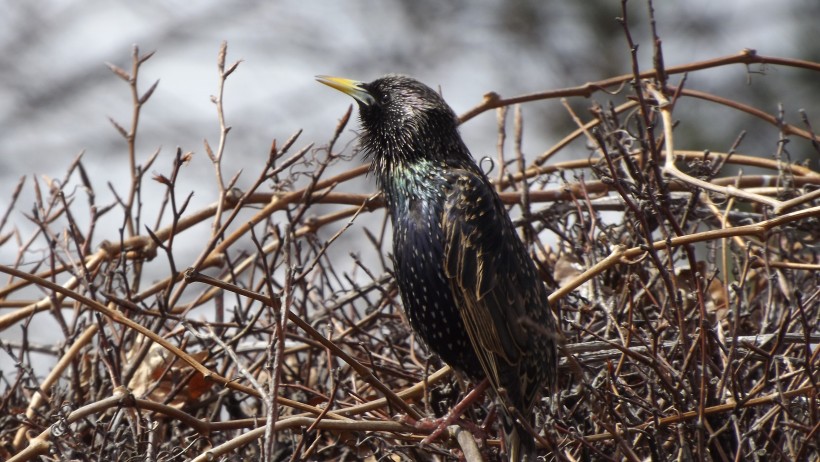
x=349 y=87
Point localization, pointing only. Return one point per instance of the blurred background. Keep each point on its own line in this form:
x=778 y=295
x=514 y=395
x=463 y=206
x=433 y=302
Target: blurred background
x=56 y=93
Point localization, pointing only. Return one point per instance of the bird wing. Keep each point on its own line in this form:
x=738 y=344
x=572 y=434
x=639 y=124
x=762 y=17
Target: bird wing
x=483 y=258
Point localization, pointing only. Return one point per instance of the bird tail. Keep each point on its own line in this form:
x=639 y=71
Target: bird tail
x=520 y=444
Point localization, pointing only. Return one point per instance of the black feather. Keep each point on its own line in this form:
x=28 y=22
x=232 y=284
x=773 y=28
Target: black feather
x=468 y=286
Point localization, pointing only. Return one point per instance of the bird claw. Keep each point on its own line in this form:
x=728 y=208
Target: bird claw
x=434 y=426
x=438 y=427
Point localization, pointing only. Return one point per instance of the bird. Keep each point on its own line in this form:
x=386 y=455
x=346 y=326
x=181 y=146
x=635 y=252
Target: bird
x=468 y=286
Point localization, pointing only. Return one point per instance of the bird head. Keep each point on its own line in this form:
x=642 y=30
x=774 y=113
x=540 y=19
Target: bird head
x=403 y=120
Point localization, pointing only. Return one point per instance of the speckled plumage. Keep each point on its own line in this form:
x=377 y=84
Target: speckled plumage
x=468 y=286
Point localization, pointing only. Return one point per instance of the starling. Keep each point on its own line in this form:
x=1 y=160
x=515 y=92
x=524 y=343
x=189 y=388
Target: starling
x=469 y=288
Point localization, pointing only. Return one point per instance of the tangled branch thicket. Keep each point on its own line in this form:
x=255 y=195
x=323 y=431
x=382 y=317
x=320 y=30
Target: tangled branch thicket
x=688 y=298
